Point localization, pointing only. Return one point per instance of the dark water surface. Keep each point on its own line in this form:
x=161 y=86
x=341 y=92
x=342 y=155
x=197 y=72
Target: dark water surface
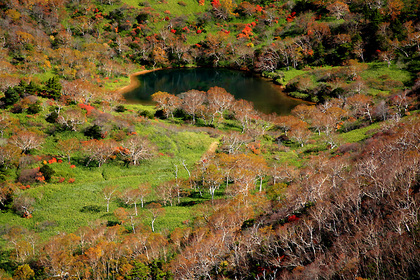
x=266 y=96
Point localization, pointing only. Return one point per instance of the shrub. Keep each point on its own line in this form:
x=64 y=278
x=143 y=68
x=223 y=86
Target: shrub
x=16 y=109
x=94 y=132
x=278 y=81
x=23 y=205
x=291 y=86
x=273 y=75
x=179 y=113
x=91 y=209
x=350 y=125
x=299 y=95
x=53 y=88
x=52 y=117
x=34 y=108
x=140 y=271
x=119 y=135
x=144 y=4
x=28 y=176
x=87 y=107
x=227 y=115
x=146 y=114
x=112 y=223
x=348 y=148
x=160 y=114
x=47 y=171
x=120 y=109
x=247 y=224
x=314 y=99
x=142 y=17
x=26 y=161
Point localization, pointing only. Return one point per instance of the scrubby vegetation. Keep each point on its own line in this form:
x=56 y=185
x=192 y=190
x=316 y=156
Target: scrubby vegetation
x=202 y=186
x=133 y=195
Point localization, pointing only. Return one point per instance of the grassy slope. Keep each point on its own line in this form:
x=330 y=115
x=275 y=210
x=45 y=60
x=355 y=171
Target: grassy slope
x=378 y=69
x=176 y=9
x=59 y=205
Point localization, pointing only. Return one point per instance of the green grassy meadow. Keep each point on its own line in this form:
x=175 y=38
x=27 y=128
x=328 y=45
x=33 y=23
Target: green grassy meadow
x=64 y=207
x=59 y=206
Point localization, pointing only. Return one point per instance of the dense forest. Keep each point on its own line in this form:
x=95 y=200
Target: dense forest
x=201 y=185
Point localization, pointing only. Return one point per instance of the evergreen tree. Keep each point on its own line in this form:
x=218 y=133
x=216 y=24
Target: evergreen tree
x=32 y=88
x=53 y=88
x=11 y=96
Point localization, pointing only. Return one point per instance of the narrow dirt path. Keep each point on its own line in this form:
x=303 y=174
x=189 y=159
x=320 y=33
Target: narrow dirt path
x=211 y=150
x=213 y=147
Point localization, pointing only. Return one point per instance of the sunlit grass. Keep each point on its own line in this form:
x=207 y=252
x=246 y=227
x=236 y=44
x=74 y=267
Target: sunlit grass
x=379 y=69
x=177 y=8
x=359 y=134
x=58 y=205
x=173 y=6
x=44 y=75
x=291 y=74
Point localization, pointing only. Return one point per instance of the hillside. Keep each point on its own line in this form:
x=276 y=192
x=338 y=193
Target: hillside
x=93 y=40
x=200 y=185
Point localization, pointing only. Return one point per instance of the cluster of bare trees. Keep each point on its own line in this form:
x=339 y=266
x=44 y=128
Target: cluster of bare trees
x=91 y=253
x=326 y=119
x=348 y=216
x=209 y=106
x=132 y=150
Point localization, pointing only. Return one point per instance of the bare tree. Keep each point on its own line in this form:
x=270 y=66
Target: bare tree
x=71 y=119
x=137 y=148
x=109 y=192
x=68 y=146
x=26 y=140
x=99 y=150
x=156 y=210
x=192 y=101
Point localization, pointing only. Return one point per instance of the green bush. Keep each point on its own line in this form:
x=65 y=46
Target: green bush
x=292 y=86
x=34 y=108
x=278 y=81
x=314 y=99
x=52 y=117
x=47 y=171
x=120 y=109
x=273 y=75
x=146 y=114
x=297 y=94
x=94 y=132
x=144 y=4
x=91 y=209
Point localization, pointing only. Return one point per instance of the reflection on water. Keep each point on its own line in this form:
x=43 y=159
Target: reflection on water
x=266 y=96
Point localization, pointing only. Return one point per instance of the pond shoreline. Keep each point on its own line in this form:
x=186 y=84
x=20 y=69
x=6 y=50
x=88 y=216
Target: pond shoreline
x=135 y=82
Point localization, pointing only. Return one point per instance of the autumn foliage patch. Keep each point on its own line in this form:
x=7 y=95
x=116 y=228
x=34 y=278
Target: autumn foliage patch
x=87 y=107
x=291 y=17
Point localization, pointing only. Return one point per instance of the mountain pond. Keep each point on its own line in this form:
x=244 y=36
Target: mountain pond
x=266 y=96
